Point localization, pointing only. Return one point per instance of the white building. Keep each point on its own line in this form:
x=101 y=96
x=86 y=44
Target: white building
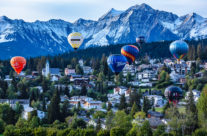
x=28 y=109
x=87 y=70
x=196 y=95
x=120 y=90
x=157 y=100
x=52 y=71
x=69 y=71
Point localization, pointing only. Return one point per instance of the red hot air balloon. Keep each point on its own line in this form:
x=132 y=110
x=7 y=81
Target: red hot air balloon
x=18 y=63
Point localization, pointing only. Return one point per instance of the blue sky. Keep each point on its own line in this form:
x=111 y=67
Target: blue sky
x=71 y=10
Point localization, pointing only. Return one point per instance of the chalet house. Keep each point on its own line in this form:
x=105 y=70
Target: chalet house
x=79 y=99
x=155 y=114
x=120 y=90
x=69 y=71
x=93 y=105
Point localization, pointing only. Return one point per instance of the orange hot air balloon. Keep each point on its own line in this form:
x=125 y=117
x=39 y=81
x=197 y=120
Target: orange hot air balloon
x=18 y=63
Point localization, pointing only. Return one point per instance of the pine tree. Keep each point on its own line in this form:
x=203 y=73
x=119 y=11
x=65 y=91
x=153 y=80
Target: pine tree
x=54 y=108
x=200 y=52
x=109 y=106
x=98 y=125
x=192 y=116
x=202 y=107
x=84 y=91
x=122 y=104
x=135 y=98
x=134 y=109
x=145 y=130
x=66 y=91
x=109 y=120
x=146 y=105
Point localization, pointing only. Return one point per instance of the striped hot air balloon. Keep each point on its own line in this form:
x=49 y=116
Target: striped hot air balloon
x=130 y=52
x=75 y=39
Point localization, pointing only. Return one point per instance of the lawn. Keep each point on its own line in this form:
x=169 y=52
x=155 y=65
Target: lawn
x=111 y=91
x=159 y=109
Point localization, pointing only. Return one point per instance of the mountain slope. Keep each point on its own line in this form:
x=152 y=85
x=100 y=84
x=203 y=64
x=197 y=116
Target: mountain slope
x=18 y=37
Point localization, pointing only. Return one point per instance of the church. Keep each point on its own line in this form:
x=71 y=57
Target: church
x=50 y=71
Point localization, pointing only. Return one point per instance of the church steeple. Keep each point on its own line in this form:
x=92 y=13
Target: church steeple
x=47 y=68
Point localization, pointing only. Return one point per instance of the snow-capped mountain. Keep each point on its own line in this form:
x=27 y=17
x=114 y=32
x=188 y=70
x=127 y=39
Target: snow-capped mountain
x=18 y=37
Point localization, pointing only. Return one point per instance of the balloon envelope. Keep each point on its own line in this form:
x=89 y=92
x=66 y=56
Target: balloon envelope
x=130 y=52
x=178 y=49
x=75 y=39
x=18 y=63
x=116 y=63
x=173 y=93
x=140 y=40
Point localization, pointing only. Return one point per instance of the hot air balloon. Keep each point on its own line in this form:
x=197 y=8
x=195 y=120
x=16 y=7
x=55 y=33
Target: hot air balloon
x=173 y=94
x=140 y=40
x=18 y=63
x=75 y=39
x=178 y=49
x=116 y=63
x=130 y=52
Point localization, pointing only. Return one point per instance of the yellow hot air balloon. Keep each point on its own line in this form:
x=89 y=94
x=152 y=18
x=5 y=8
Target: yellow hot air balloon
x=75 y=39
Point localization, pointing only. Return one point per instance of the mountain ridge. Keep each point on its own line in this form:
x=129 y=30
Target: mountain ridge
x=37 y=38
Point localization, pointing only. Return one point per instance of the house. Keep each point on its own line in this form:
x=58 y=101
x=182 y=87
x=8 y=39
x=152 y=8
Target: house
x=55 y=78
x=69 y=71
x=39 y=88
x=93 y=105
x=157 y=100
x=196 y=95
x=120 y=90
x=145 y=85
x=35 y=73
x=73 y=77
x=64 y=98
x=155 y=122
x=81 y=62
x=155 y=114
x=28 y=109
x=14 y=101
x=93 y=122
x=134 y=83
x=8 y=79
x=87 y=70
x=50 y=71
x=79 y=99
x=198 y=75
x=110 y=83
x=81 y=81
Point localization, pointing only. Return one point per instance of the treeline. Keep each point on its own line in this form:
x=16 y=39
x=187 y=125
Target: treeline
x=197 y=50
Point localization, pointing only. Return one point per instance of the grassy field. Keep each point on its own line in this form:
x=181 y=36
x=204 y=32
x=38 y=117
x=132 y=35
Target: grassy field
x=158 y=109
x=111 y=91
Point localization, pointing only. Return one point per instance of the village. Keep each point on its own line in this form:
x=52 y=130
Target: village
x=143 y=78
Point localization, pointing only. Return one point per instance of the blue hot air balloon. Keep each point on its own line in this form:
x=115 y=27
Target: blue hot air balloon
x=116 y=63
x=179 y=49
x=130 y=52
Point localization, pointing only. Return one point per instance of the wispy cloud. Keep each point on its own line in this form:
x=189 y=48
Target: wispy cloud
x=71 y=10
